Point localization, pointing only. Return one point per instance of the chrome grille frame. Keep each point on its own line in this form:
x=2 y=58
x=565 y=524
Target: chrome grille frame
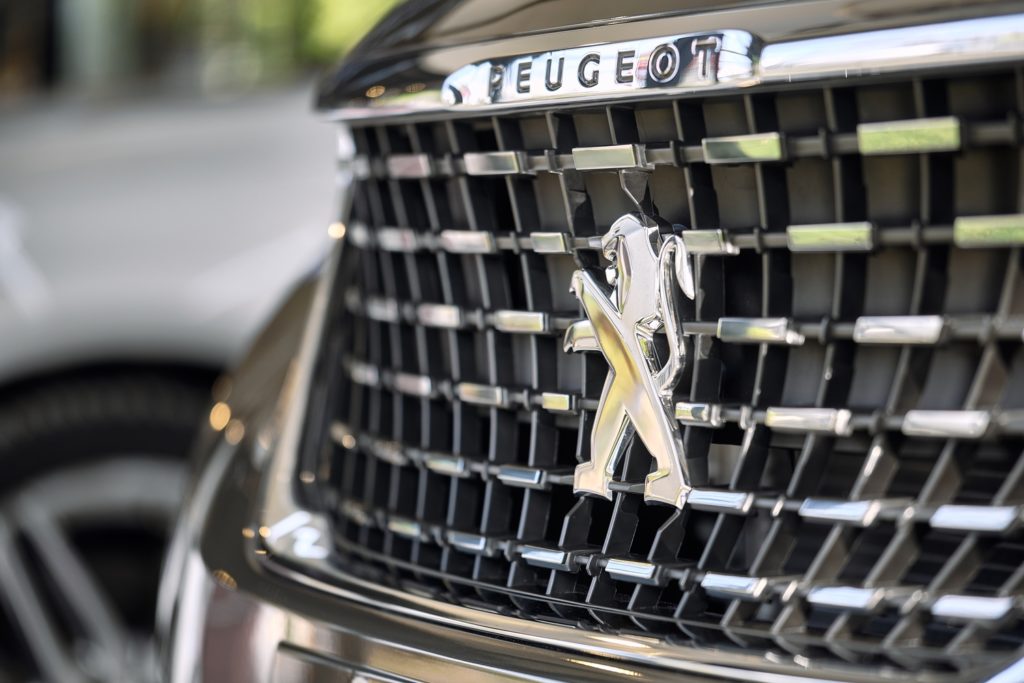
x=762 y=421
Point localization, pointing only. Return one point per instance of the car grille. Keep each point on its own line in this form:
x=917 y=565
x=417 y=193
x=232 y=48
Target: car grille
x=857 y=484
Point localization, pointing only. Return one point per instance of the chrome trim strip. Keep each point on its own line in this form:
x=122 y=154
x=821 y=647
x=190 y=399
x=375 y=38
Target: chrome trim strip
x=410 y=165
x=828 y=420
x=711 y=500
x=846 y=597
x=545 y=557
x=520 y=322
x=551 y=242
x=968 y=424
x=759 y=331
x=494 y=163
x=522 y=477
x=413 y=385
x=733 y=587
x=699 y=414
x=612 y=157
x=439 y=315
x=743 y=149
x=482 y=394
x=448 y=465
x=988 y=231
x=856 y=512
x=615 y=70
x=741 y=62
x=559 y=403
x=467 y=242
x=830 y=237
x=397 y=239
x=914 y=136
x=972 y=608
x=632 y=571
x=992 y=518
x=898 y=329
x=708 y=242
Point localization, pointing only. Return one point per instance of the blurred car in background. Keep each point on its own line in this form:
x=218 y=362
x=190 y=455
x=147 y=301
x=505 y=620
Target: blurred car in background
x=163 y=185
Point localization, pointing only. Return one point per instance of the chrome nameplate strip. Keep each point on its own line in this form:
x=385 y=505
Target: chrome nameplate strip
x=680 y=62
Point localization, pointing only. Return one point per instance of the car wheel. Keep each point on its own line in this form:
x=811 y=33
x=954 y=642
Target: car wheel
x=94 y=472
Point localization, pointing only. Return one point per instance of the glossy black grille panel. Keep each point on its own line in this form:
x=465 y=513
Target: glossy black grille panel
x=456 y=420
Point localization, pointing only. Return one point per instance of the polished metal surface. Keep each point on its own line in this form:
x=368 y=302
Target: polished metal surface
x=988 y=231
x=898 y=329
x=494 y=163
x=713 y=59
x=946 y=423
x=634 y=398
x=831 y=237
x=759 y=330
x=669 y=64
x=940 y=134
x=613 y=157
x=467 y=242
x=743 y=149
x=829 y=420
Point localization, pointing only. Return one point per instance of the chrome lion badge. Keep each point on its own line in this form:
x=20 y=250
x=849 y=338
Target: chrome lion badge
x=622 y=318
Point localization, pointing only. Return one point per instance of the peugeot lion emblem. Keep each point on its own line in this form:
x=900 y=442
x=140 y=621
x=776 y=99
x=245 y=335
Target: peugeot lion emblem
x=625 y=308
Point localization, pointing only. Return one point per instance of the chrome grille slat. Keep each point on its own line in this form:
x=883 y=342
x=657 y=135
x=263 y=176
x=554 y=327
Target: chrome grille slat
x=852 y=501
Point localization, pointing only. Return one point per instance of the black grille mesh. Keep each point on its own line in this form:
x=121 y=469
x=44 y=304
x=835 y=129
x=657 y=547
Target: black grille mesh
x=443 y=496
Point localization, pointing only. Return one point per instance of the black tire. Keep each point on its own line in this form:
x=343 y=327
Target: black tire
x=59 y=422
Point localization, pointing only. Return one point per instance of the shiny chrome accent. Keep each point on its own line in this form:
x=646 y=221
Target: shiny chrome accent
x=898 y=329
x=740 y=61
x=712 y=500
x=952 y=424
x=581 y=337
x=363 y=373
x=545 y=557
x=639 y=67
x=522 y=477
x=988 y=231
x=358 y=234
x=759 y=331
x=972 y=608
x=413 y=385
x=470 y=543
x=635 y=398
x=857 y=512
x=520 y=322
x=847 y=597
x=381 y=309
x=494 y=163
x=448 y=465
x=699 y=414
x=708 y=242
x=991 y=518
x=733 y=587
x=390 y=452
x=612 y=157
x=828 y=420
x=551 y=242
x=406 y=528
x=559 y=403
x=397 y=239
x=482 y=394
x=831 y=237
x=467 y=242
x=632 y=571
x=439 y=315
x=356 y=512
x=940 y=134
x=410 y=166
x=741 y=149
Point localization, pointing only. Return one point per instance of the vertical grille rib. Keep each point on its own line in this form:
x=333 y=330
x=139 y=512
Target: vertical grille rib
x=859 y=480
